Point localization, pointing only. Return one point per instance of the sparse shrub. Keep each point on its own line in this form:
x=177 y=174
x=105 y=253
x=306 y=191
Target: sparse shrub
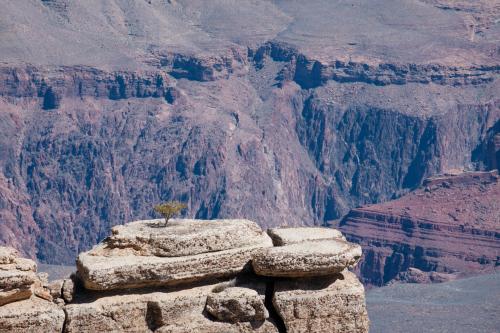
x=169 y=209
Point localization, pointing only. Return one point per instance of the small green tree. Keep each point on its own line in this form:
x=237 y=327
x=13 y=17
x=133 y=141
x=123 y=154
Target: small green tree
x=169 y=209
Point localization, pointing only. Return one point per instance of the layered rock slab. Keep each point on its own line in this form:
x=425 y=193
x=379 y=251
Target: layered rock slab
x=139 y=312
x=327 y=304
x=31 y=315
x=286 y=236
x=117 y=263
x=184 y=237
x=309 y=258
x=449 y=225
x=17 y=276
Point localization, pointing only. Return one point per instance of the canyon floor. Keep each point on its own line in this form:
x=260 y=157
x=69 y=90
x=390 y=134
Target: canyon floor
x=462 y=306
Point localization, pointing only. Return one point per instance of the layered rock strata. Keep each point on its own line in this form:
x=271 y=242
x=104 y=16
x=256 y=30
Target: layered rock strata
x=309 y=258
x=17 y=276
x=335 y=303
x=186 y=251
x=196 y=276
x=449 y=227
x=26 y=303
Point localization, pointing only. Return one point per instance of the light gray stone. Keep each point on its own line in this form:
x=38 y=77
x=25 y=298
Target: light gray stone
x=322 y=305
x=287 y=236
x=135 y=312
x=7 y=255
x=184 y=237
x=68 y=290
x=200 y=324
x=237 y=304
x=107 y=267
x=31 y=316
x=17 y=278
x=310 y=258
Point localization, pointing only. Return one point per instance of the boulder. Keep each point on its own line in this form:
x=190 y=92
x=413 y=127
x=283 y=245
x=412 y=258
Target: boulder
x=325 y=304
x=286 y=236
x=108 y=267
x=31 y=315
x=236 y=304
x=309 y=258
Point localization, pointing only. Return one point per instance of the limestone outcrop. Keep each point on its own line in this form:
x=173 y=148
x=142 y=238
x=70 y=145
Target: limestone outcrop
x=327 y=304
x=309 y=258
x=286 y=236
x=17 y=276
x=195 y=276
x=186 y=251
x=25 y=299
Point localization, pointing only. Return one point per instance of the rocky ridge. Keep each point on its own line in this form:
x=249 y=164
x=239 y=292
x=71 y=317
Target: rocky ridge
x=194 y=276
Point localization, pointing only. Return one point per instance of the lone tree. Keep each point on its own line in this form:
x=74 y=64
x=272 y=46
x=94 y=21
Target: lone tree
x=169 y=209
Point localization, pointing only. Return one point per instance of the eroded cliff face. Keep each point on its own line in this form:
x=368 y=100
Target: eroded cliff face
x=450 y=226
x=256 y=122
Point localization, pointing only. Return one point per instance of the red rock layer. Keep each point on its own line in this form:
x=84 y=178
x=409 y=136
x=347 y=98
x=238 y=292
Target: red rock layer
x=451 y=225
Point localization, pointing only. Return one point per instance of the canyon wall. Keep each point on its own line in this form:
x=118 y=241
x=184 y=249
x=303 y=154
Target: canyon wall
x=449 y=228
x=273 y=113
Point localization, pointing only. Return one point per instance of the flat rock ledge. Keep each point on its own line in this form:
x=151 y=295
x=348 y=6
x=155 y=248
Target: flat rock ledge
x=309 y=258
x=184 y=237
x=193 y=276
x=133 y=265
x=287 y=236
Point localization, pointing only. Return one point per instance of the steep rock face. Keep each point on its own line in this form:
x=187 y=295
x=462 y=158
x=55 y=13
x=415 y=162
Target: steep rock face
x=449 y=226
x=281 y=112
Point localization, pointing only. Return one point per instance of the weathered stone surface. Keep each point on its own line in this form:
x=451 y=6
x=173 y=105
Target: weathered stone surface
x=108 y=267
x=41 y=290
x=17 y=277
x=31 y=315
x=311 y=258
x=68 y=290
x=122 y=313
x=104 y=273
x=203 y=325
x=7 y=255
x=327 y=304
x=286 y=236
x=237 y=304
x=135 y=312
x=55 y=288
x=183 y=237
x=15 y=294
